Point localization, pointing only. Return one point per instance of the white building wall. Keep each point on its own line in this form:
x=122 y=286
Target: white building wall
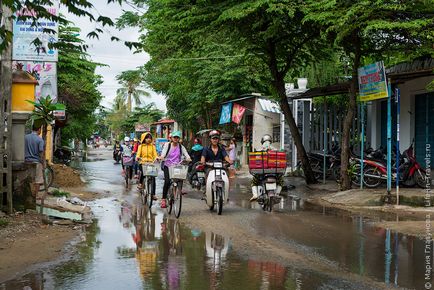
x=408 y=91
x=263 y=124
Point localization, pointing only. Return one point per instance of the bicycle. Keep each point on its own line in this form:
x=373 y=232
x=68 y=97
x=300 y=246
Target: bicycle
x=128 y=162
x=49 y=177
x=150 y=172
x=177 y=174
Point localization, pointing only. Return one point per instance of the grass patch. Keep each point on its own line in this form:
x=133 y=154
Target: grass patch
x=60 y=193
x=3 y=223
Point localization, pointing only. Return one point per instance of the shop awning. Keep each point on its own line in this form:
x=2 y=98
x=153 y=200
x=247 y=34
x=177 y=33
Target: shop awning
x=269 y=106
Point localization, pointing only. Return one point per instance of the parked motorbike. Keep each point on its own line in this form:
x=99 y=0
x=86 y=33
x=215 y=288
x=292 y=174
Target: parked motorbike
x=196 y=176
x=410 y=171
x=333 y=163
x=63 y=155
x=217 y=186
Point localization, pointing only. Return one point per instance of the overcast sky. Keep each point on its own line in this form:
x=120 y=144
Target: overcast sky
x=116 y=55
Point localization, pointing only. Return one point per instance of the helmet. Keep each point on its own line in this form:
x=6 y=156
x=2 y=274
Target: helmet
x=197 y=141
x=214 y=133
x=127 y=139
x=266 y=138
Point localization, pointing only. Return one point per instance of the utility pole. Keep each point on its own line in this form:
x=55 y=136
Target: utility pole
x=5 y=113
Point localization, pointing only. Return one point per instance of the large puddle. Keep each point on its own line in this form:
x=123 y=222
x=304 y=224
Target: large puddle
x=130 y=247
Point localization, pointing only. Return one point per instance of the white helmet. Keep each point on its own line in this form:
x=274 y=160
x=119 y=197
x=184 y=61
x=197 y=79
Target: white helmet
x=127 y=139
x=266 y=138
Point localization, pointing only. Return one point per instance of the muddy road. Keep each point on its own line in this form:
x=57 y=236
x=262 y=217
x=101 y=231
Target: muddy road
x=297 y=246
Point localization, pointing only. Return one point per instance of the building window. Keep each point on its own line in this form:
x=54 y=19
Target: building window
x=276 y=133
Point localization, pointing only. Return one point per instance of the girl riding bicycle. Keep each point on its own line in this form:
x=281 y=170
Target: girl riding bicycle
x=172 y=154
x=146 y=153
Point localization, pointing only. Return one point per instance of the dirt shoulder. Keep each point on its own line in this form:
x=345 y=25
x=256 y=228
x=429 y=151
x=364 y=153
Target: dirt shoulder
x=368 y=203
x=26 y=241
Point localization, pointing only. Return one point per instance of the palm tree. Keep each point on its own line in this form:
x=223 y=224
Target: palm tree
x=131 y=80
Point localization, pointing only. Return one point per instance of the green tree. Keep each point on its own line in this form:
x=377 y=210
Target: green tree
x=82 y=8
x=194 y=71
x=131 y=80
x=272 y=37
x=121 y=121
x=77 y=86
x=372 y=30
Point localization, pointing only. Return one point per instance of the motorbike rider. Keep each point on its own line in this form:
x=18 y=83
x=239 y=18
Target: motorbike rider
x=172 y=154
x=266 y=145
x=195 y=154
x=214 y=152
x=116 y=149
x=146 y=153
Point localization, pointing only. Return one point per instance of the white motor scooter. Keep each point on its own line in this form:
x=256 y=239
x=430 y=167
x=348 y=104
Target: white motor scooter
x=217 y=186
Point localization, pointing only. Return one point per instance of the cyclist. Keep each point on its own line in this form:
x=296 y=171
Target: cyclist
x=172 y=154
x=127 y=156
x=135 y=149
x=146 y=153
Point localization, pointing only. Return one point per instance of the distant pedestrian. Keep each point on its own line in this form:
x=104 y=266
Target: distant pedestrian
x=232 y=150
x=33 y=149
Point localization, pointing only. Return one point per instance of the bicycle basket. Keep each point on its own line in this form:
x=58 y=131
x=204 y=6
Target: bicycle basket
x=128 y=160
x=149 y=170
x=178 y=172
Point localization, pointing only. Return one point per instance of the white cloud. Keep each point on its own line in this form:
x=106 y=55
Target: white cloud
x=116 y=55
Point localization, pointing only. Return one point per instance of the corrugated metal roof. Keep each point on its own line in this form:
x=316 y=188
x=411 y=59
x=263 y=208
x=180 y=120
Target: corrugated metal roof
x=269 y=106
x=418 y=65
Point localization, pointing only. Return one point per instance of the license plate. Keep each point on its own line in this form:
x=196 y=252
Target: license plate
x=200 y=174
x=270 y=186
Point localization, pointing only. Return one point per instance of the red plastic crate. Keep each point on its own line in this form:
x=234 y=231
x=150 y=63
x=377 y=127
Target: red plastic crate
x=267 y=162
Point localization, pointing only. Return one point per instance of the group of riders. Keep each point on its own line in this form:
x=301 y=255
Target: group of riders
x=173 y=153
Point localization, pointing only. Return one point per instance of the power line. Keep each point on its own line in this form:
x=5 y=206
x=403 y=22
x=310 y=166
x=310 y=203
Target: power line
x=214 y=57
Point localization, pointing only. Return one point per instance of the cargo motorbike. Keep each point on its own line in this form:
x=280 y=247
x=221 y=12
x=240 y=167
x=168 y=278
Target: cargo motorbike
x=267 y=169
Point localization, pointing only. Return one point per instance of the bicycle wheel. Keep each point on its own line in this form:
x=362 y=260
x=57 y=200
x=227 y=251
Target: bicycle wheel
x=150 y=190
x=177 y=202
x=169 y=199
x=144 y=193
x=49 y=177
x=127 y=176
x=219 y=196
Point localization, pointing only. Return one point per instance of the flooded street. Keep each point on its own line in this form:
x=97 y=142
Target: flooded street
x=295 y=247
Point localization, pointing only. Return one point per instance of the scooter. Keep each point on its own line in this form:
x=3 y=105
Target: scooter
x=217 y=186
x=117 y=156
x=196 y=176
x=268 y=190
x=410 y=171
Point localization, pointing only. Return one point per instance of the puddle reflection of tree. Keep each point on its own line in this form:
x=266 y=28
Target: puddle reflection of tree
x=82 y=261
